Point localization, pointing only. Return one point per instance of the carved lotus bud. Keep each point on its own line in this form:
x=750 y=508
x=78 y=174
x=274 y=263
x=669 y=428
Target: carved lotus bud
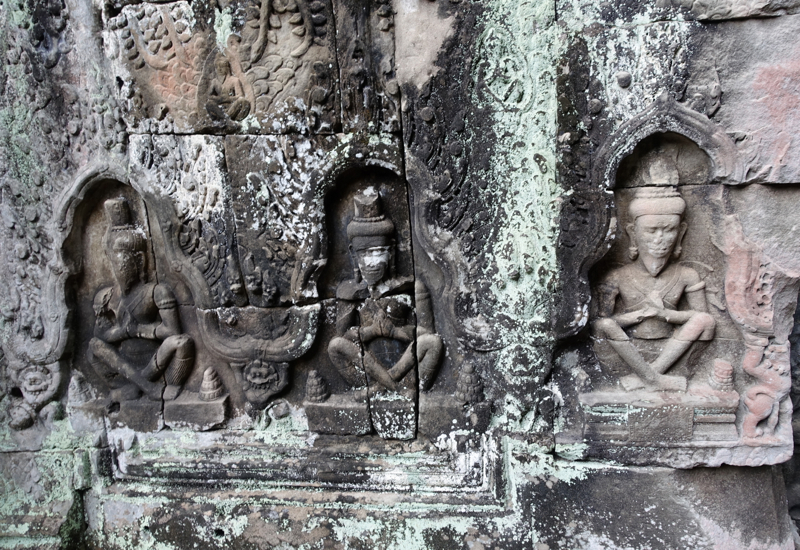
x=316 y=388
x=212 y=387
x=470 y=387
x=721 y=377
x=79 y=391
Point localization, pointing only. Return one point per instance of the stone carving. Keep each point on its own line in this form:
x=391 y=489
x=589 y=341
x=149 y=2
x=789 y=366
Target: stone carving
x=765 y=400
x=649 y=290
x=682 y=371
x=227 y=93
x=157 y=42
x=371 y=94
x=201 y=411
x=211 y=388
x=261 y=380
x=138 y=343
x=187 y=176
x=383 y=350
x=270 y=70
x=756 y=292
x=470 y=386
x=375 y=348
x=316 y=388
x=32 y=389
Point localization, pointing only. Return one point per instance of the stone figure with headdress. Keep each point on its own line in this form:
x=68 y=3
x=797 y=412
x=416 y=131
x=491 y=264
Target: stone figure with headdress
x=639 y=319
x=138 y=344
x=382 y=344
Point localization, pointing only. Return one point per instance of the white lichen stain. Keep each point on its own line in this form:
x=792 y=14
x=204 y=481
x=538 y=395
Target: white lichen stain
x=516 y=53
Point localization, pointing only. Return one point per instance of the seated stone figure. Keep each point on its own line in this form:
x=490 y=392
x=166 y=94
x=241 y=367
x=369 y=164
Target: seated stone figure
x=227 y=93
x=638 y=302
x=383 y=313
x=137 y=335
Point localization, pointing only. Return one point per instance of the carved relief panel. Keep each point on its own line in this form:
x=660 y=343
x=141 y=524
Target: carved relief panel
x=257 y=67
x=685 y=364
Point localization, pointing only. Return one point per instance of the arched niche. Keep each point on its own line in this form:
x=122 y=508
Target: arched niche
x=338 y=187
x=588 y=221
x=86 y=258
x=666 y=116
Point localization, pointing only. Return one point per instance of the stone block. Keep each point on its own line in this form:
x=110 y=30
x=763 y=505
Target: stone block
x=441 y=414
x=189 y=412
x=141 y=415
x=341 y=414
x=394 y=416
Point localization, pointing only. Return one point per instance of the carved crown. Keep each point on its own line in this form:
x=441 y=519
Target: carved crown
x=656 y=200
x=121 y=233
x=369 y=220
x=118 y=212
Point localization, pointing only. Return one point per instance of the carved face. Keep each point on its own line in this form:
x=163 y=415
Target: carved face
x=34 y=380
x=261 y=375
x=223 y=67
x=373 y=262
x=126 y=268
x=657 y=234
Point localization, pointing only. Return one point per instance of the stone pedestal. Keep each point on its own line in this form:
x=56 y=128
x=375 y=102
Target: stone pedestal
x=141 y=415
x=340 y=414
x=644 y=417
x=189 y=412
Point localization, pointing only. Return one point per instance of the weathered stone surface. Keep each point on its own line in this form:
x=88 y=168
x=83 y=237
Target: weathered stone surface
x=398 y=273
x=191 y=412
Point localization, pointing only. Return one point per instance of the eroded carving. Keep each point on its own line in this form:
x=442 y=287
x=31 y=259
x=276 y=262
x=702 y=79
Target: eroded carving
x=384 y=349
x=270 y=70
x=375 y=348
x=138 y=344
x=33 y=389
x=756 y=291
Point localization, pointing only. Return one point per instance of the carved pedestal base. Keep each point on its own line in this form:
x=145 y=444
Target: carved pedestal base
x=647 y=417
x=394 y=415
x=142 y=415
x=676 y=429
x=340 y=414
x=189 y=412
x=441 y=414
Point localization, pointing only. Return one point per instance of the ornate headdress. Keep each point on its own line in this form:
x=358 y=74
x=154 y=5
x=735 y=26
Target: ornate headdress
x=369 y=220
x=656 y=200
x=121 y=233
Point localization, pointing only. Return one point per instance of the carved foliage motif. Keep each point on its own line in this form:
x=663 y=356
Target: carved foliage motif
x=270 y=69
x=280 y=246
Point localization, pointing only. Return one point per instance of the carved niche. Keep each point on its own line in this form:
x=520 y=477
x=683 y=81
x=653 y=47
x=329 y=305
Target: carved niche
x=687 y=361
x=379 y=347
x=132 y=342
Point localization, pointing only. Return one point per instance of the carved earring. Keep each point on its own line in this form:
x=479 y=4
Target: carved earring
x=633 y=250
x=676 y=252
x=356 y=270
